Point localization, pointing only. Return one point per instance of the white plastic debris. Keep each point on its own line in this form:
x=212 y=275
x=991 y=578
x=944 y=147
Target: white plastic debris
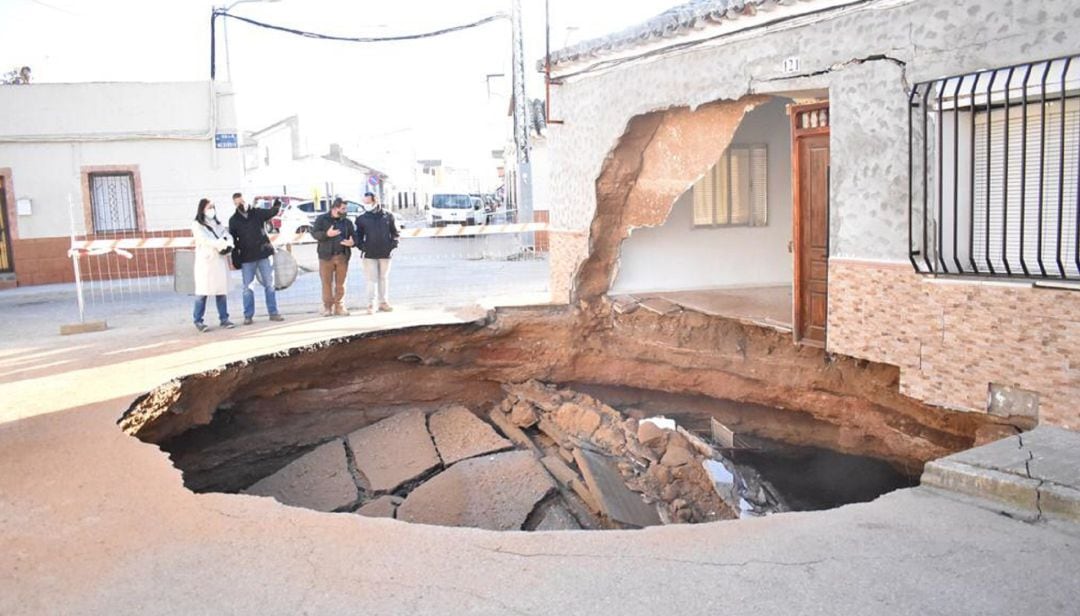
x=661 y=422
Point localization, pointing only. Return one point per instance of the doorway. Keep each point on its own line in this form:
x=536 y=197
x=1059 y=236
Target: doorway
x=7 y=264
x=810 y=192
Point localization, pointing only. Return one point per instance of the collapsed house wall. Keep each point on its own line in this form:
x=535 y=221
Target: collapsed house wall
x=678 y=255
x=866 y=56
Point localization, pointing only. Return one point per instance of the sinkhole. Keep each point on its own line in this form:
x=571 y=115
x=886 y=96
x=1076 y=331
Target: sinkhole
x=515 y=422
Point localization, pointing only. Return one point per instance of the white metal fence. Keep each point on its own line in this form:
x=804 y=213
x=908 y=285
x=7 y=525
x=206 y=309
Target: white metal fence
x=433 y=267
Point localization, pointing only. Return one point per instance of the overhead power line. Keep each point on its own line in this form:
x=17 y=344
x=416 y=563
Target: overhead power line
x=366 y=39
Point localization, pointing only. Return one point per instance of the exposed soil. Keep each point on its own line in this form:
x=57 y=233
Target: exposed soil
x=232 y=427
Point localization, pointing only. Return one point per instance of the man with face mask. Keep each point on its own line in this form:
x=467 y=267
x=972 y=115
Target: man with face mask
x=254 y=252
x=376 y=238
x=337 y=237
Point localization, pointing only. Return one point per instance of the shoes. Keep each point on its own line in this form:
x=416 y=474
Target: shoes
x=370 y=310
x=384 y=307
x=339 y=310
x=227 y=325
x=202 y=327
x=248 y=320
x=276 y=317
x=326 y=311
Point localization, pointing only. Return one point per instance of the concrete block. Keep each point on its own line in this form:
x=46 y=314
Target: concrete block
x=1007 y=488
x=1005 y=401
x=83 y=328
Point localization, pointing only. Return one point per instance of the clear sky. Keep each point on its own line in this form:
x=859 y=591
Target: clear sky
x=427 y=97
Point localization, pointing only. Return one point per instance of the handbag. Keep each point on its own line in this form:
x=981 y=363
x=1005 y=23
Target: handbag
x=224 y=251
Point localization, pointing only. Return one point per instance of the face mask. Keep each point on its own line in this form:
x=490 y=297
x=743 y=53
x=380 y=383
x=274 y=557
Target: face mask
x=210 y=212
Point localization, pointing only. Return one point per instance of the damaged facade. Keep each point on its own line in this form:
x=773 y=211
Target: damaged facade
x=751 y=159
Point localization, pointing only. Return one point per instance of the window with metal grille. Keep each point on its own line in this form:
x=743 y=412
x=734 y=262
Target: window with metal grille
x=112 y=202
x=995 y=173
x=733 y=192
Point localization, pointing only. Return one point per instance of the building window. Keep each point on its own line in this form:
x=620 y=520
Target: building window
x=995 y=173
x=112 y=202
x=733 y=192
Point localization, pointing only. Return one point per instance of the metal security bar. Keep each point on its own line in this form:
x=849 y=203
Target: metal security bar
x=112 y=198
x=994 y=173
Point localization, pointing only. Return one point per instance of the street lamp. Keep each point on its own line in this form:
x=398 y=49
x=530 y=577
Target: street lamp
x=225 y=33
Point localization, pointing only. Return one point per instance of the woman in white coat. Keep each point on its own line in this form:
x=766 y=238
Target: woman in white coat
x=212 y=247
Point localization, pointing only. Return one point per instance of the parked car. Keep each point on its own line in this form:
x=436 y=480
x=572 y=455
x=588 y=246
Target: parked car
x=267 y=201
x=456 y=209
x=298 y=216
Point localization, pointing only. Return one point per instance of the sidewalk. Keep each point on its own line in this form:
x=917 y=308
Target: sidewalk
x=1035 y=475
x=93 y=521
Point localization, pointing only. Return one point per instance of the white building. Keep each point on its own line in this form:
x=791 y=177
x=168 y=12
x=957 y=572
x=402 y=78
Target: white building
x=107 y=160
x=279 y=161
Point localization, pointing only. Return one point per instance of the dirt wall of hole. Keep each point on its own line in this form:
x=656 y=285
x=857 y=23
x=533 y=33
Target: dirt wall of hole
x=227 y=427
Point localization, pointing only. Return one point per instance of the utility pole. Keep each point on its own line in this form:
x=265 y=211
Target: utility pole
x=521 y=123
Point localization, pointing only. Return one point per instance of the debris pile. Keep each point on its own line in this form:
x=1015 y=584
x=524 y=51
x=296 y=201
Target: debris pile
x=563 y=461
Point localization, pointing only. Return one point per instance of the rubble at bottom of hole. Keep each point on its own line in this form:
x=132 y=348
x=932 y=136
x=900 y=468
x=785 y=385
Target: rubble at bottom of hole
x=563 y=461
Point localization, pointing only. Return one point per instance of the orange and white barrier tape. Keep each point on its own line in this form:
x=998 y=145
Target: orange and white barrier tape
x=143 y=243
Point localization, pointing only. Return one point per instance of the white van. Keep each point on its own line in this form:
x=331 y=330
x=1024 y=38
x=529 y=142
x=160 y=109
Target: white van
x=456 y=209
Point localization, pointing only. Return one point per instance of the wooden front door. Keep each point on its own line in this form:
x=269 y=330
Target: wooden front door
x=6 y=263
x=810 y=167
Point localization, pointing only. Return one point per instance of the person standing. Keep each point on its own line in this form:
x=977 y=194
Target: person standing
x=376 y=238
x=212 y=247
x=337 y=237
x=254 y=252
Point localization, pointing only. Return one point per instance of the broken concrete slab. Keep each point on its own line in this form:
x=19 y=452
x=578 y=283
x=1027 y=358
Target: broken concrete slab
x=318 y=480
x=616 y=500
x=552 y=430
x=495 y=492
x=394 y=451
x=576 y=419
x=545 y=397
x=558 y=517
x=659 y=305
x=624 y=304
x=513 y=432
x=383 y=507
x=460 y=434
x=523 y=414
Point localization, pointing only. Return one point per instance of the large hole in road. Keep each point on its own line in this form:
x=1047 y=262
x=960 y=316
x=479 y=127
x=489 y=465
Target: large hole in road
x=553 y=419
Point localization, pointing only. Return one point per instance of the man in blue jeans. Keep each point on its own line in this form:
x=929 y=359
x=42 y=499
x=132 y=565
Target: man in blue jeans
x=253 y=252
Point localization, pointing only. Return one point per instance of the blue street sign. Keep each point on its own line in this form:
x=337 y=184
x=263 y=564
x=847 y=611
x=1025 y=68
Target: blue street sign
x=226 y=141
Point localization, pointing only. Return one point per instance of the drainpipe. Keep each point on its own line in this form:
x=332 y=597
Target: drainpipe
x=547 y=65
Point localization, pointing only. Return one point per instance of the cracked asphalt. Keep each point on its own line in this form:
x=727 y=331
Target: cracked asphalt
x=93 y=521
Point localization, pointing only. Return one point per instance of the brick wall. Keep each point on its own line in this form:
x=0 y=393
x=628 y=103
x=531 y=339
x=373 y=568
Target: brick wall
x=42 y=261
x=951 y=339
x=540 y=239
x=45 y=261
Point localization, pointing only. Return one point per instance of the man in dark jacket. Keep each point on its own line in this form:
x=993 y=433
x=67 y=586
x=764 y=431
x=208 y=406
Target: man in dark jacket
x=337 y=237
x=376 y=238
x=254 y=252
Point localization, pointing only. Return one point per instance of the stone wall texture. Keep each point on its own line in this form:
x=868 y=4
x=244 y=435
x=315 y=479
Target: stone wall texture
x=951 y=339
x=865 y=57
